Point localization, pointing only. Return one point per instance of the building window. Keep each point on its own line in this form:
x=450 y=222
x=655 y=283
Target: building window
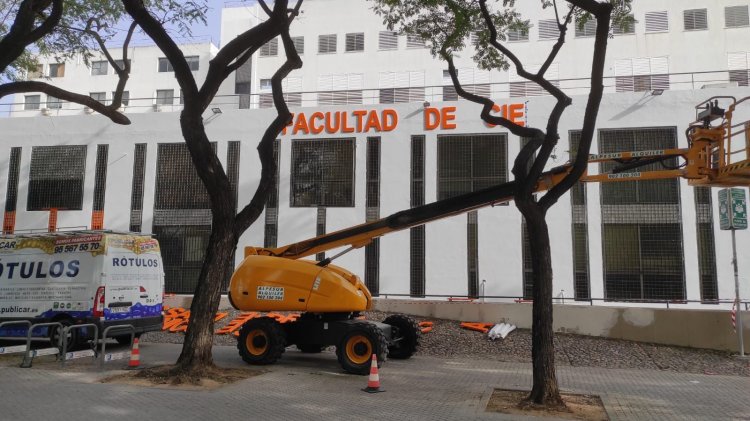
x=299 y=44
x=177 y=183
x=11 y=194
x=417 y=240
x=706 y=245
x=327 y=44
x=588 y=29
x=36 y=73
x=265 y=85
x=31 y=102
x=387 y=40
x=290 y=86
x=581 y=278
x=414 y=41
x=125 y=99
x=183 y=249
x=165 y=96
x=372 y=213
x=165 y=65
x=100 y=186
x=520 y=87
x=695 y=19
x=520 y=34
x=736 y=16
x=642 y=74
x=193 y=63
x=99 y=96
x=468 y=163
x=657 y=21
x=737 y=63
x=270 y=49
x=397 y=87
x=472 y=80
x=53 y=103
x=548 y=29
x=56 y=70
x=322 y=173
x=120 y=64
x=56 y=178
x=340 y=89
x=629 y=29
x=641 y=223
x=355 y=42
x=99 y=68
x=136 y=192
x=271 y=231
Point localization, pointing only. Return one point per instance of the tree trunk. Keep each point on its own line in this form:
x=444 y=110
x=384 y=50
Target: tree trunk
x=544 y=390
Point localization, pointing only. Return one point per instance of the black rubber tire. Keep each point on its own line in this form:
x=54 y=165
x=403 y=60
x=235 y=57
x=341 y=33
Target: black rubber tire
x=311 y=348
x=268 y=341
x=74 y=342
x=406 y=334
x=372 y=335
x=124 y=339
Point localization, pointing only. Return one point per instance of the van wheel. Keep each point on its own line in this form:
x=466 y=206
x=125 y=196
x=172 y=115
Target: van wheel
x=73 y=341
x=124 y=339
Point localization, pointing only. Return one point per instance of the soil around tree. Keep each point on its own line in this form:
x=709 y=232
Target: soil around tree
x=170 y=377
x=579 y=407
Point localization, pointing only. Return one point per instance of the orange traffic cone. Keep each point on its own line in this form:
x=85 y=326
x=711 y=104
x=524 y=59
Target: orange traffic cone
x=373 y=382
x=135 y=355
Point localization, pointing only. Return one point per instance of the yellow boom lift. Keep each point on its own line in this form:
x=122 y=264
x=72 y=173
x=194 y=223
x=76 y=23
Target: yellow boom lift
x=332 y=298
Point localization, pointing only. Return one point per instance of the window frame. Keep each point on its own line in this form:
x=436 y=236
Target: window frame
x=31 y=105
x=164 y=65
x=157 y=98
x=96 y=68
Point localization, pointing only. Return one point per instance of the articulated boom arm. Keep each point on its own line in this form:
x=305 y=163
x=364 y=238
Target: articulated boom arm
x=709 y=160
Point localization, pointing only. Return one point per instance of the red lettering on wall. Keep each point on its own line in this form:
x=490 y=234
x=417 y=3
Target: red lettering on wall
x=448 y=114
x=431 y=118
x=373 y=122
x=390 y=120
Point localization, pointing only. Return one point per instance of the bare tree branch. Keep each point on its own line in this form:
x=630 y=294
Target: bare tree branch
x=23 y=33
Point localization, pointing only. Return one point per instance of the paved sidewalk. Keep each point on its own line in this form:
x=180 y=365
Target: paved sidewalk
x=313 y=387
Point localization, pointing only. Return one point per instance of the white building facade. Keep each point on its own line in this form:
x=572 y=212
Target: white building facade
x=382 y=132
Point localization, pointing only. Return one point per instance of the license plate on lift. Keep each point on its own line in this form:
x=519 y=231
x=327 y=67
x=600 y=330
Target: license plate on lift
x=119 y=309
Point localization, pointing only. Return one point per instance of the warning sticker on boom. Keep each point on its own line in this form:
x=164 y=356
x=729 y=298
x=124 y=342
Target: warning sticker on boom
x=270 y=293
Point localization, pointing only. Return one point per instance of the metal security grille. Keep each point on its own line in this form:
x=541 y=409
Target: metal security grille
x=372 y=212
x=642 y=224
x=322 y=173
x=472 y=253
x=468 y=163
x=657 y=21
x=326 y=44
x=695 y=19
x=100 y=179
x=399 y=95
x=56 y=177
x=528 y=270
x=736 y=16
x=299 y=44
x=706 y=245
x=177 y=183
x=271 y=234
x=372 y=267
x=270 y=49
x=11 y=196
x=320 y=229
x=581 y=277
x=233 y=168
x=387 y=40
x=414 y=41
x=450 y=94
x=588 y=29
x=355 y=42
x=548 y=29
x=417 y=274
x=136 y=195
x=183 y=250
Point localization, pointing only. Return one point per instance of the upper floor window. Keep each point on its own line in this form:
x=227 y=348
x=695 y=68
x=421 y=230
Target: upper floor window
x=735 y=16
x=99 y=68
x=270 y=49
x=56 y=70
x=414 y=41
x=629 y=29
x=165 y=65
x=165 y=96
x=299 y=44
x=125 y=100
x=695 y=19
x=53 y=103
x=642 y=74
x=355 y=42
x=387 y=40
x=588 y=29
x=120 y=64
x=31 y=102
x=327 y=44
x=548 y=29
x=657 y=21
x=193 y=62
x=99 y=96
x=265 y=84
x=520 y=34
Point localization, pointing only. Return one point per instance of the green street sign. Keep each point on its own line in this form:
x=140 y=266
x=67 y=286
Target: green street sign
x=732 y=209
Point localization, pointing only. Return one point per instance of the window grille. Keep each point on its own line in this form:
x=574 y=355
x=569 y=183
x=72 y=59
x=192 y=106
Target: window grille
x=736 y=16
x=31 y=102
x=99 y=68
x=629 y=29
x=355 y=42
x=641 y=223
x=340 y=89
x=657 y=21
x=706 y=245
x=417 y=275
x=165 y=65
x=322 y=173
x=177 y=183
x=165 y=96
x=414 y=41
x=57 y=177
x=53 y=103
x=270 y=49
x=293 y=99
x=271 y=234
x=399 y=95
x=521 y=34
x=299 y=44
x=642 y=74
x=581 y=277
x=740 y=77
x=588 y=29
x=193 y=63
x=695 y=19
x=327 y=44
x=387 y=40
x=11 y=195
x=528 y=270
x=233 y=168
x=100 y=178
x=468 y=163
x=136 y=195
x=450 y=93
x=526 y=89
x=472 y=253
x=183 y=249
x=372 y=212
x=56 y=70
x=548 y=29
x=320 y=229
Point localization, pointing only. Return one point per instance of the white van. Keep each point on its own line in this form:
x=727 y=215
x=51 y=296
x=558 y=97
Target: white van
x=77 y=277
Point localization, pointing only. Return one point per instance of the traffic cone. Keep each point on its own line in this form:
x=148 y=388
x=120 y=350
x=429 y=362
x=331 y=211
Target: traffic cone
x=373 y=382
x=135 y=355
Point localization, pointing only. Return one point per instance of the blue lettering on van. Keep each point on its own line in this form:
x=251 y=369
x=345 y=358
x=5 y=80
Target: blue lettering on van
x=137 y=262
x=38 y=270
